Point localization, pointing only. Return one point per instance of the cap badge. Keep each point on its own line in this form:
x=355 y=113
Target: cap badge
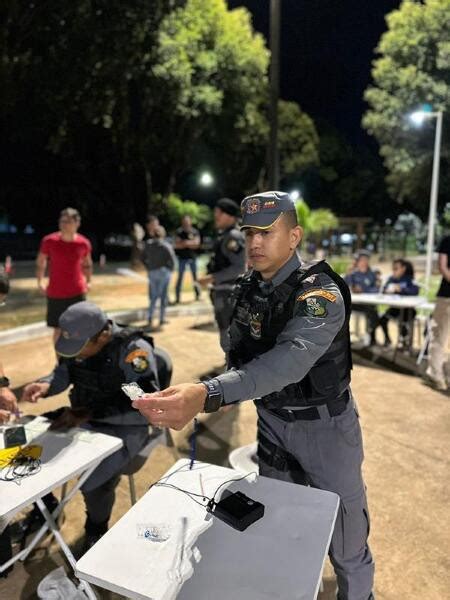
x=65 y=334
x=253 y=206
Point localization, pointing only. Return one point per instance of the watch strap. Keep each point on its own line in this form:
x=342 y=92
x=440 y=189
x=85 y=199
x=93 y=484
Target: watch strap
x=214 y=396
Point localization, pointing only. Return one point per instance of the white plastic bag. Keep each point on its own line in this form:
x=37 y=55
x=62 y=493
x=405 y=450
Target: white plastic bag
x=57 y=586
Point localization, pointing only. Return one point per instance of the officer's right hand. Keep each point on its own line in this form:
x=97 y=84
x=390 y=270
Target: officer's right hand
x=33 y=391
x=42 y=288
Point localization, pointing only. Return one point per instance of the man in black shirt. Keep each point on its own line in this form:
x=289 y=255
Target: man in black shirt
x=187 y=242
x=440 y=323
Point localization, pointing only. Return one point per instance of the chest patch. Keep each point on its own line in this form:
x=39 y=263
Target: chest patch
x=255 y=326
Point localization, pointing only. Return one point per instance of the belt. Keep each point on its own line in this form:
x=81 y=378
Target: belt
x=312 y=413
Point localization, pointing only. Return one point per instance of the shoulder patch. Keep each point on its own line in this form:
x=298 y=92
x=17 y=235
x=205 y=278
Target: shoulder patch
x=317 y=292
x=138 y=360
x=233 y=245
x=138 y=353
x=314 y=307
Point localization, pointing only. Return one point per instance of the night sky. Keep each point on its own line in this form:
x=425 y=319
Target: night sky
x=327 y=47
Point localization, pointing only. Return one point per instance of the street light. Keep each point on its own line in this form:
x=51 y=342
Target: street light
x=206 y=179
x=418 y=118
x=294 y=195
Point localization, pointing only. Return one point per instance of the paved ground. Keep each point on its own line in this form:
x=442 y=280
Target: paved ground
x=406 y=429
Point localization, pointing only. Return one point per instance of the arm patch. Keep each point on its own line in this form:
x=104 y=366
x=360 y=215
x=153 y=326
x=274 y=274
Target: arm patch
x=317 y=292
x=314 y=306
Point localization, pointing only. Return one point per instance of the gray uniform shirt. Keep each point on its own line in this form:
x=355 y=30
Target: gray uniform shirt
x=233 y=247
x=302 y=342
x=131 y=368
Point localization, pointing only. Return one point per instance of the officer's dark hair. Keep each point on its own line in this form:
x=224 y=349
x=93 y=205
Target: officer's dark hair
x=4 y=283
x=95 y=338
x=290 y=218
x=70 y=213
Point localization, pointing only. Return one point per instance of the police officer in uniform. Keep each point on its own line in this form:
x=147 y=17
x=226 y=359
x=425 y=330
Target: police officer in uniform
x=97 y=357
x=290 y=352
x=225 y=265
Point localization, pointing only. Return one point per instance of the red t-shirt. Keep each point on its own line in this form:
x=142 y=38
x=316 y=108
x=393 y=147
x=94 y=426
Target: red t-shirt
x=66 y=277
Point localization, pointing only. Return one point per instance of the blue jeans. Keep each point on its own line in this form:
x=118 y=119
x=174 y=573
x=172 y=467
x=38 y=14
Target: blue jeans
x=158 y=285
x=182 y=264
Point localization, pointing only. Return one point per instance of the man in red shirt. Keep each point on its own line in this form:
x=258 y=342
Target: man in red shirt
x=68 y=257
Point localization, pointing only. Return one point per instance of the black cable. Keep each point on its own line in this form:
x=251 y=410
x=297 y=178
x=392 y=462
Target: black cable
x=20 y=467
x=189 y=494
x=211 y=501
x=230 y=481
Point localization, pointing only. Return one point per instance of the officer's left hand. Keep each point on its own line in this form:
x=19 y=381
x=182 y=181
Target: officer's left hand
x=70 y=418
x=174 y=407
x=8 y=400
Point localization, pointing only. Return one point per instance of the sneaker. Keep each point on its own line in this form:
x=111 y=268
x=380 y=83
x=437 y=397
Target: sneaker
x=437 y=384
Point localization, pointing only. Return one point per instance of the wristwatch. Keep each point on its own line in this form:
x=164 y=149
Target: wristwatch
x=4 y=382
x=213 y=396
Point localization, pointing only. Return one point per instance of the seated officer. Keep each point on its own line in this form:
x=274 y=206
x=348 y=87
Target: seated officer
x=363 y=280
x=97 y=357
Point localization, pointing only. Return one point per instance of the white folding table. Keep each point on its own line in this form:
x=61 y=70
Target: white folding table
x=280 y=556
x=393 y=300
x=67 y=455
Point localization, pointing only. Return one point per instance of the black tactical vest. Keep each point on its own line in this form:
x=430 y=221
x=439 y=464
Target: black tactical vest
x=218 y=260
x=97 y=380
x=266 y=317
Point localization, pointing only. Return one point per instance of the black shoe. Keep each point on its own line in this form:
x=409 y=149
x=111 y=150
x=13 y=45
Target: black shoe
x=90 y=540
x=33 y=521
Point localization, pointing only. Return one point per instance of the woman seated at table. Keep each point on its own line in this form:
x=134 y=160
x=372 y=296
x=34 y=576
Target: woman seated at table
x=401 y=282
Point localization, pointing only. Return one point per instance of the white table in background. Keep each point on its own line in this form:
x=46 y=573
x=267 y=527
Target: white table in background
x=67 y=455
x=393 y=300
x=280 y=556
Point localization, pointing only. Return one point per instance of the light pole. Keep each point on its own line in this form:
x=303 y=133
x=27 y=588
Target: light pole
x=418 y=118
x=273 y=155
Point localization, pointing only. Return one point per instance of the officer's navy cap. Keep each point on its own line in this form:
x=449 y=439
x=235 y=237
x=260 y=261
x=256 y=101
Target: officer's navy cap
x=228 y=206
x=262 y=210
x=78 y=324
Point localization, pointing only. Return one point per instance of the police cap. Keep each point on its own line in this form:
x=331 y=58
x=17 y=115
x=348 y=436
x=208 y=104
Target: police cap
x=78 y=324
x=262 y=210
x=228 y=206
